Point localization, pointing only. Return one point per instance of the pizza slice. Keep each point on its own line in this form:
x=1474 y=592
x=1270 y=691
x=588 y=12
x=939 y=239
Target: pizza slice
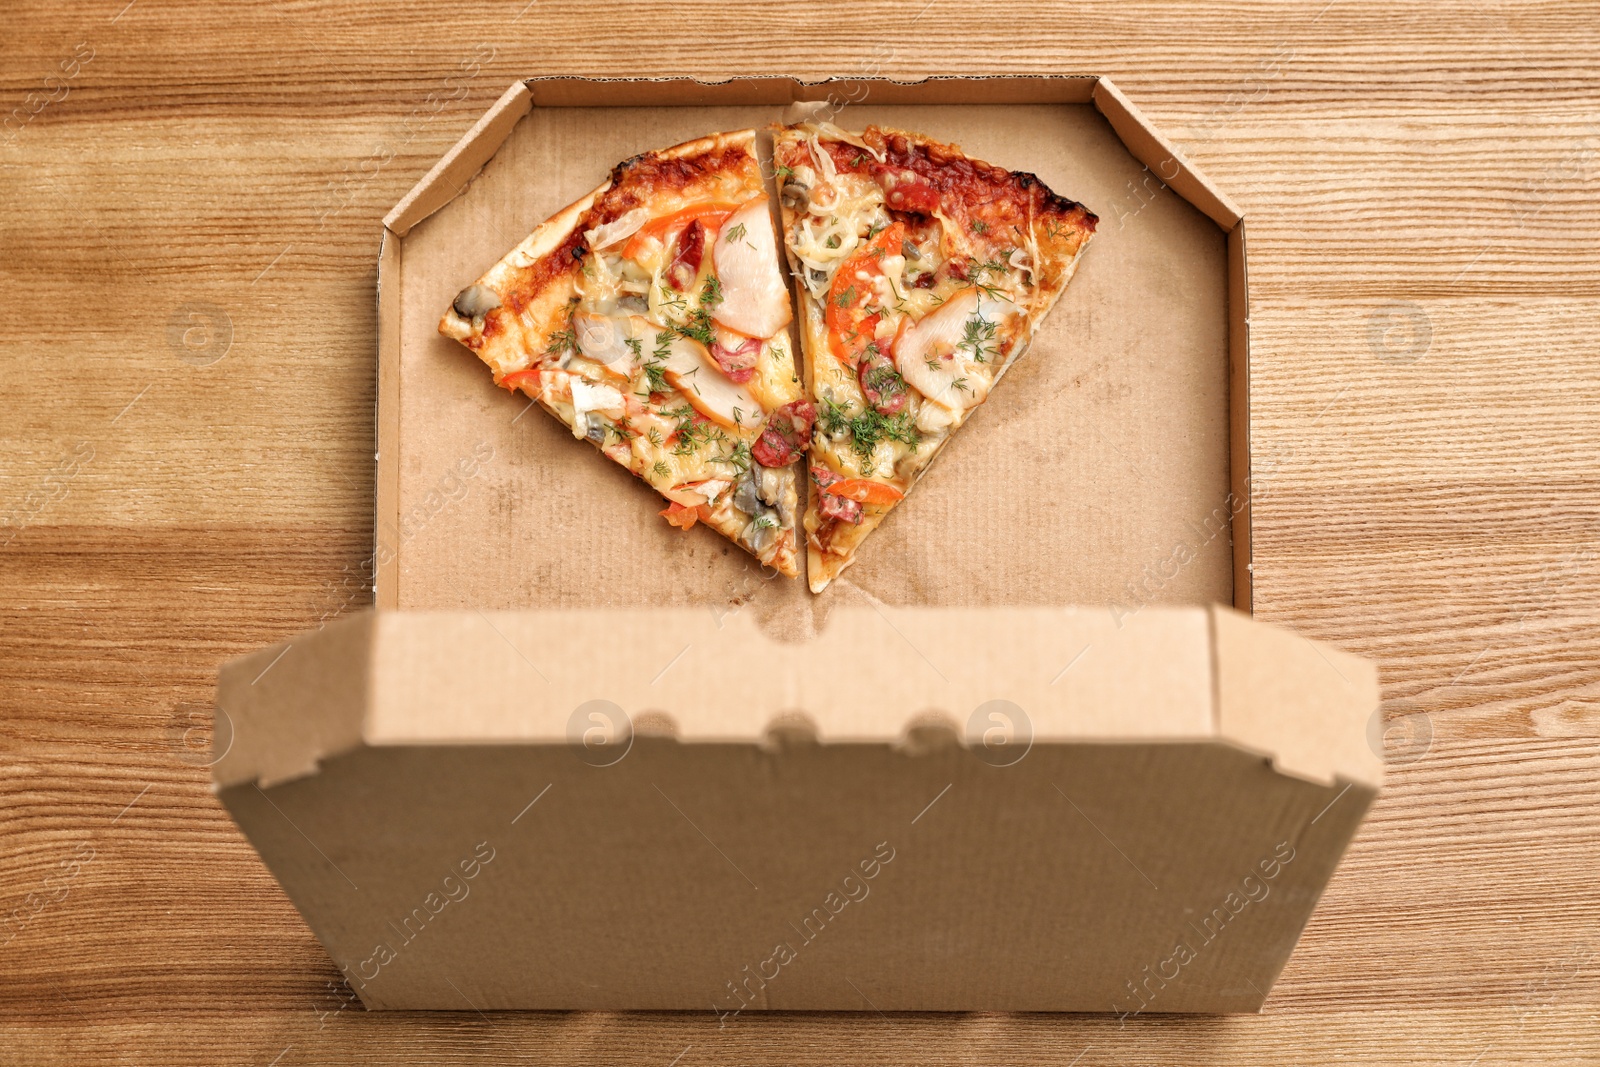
x=923 y=275
x=651 y=317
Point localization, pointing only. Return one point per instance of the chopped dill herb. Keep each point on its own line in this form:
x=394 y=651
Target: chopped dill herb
x=655 y=371
x=833 y=419
x=868 y=429
x=738 y=457
x=656 y=377
x=711 y=292
x=977 y=337
x=735 y=233
x=692 y=433
x=883 y=379
x=621 y=430
x=671 y=298
x=978 y=271
x=563 y=340
x=698 y=327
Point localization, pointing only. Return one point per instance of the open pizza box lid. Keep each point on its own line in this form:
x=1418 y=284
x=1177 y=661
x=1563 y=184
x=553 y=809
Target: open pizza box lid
x=577 y=759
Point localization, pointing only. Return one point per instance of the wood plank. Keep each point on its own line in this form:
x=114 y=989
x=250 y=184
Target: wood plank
x=80 y=829
x=186 y=474
x=1392 y=1038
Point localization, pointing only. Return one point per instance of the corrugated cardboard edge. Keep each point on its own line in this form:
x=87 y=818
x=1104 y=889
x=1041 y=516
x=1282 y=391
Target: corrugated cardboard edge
x=1240 y=476
x=386 y=450
x=459 y=165
x=1167 y=164
x=1157 y=153
x=451 y=175
x=577 y=91
x=1148 y=679
x=1302 y=704
x=294 y=704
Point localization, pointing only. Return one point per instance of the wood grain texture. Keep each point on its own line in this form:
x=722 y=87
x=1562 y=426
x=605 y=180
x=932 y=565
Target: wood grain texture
x=185 y=474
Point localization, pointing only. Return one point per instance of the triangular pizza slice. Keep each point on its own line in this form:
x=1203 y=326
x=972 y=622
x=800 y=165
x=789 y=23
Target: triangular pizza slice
x=923 y=275
x=651 y=317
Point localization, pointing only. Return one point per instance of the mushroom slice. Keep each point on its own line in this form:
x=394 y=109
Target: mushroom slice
x=604 y=339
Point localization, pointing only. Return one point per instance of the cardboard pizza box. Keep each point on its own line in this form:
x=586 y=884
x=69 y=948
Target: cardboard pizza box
x=1030 y=753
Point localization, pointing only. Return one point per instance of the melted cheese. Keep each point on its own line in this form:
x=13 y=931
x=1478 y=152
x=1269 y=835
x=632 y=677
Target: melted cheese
x=777 y=381
x=842 y=210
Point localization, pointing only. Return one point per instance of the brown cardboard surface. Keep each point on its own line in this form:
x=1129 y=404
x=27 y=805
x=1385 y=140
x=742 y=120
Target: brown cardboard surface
x=1092 y=477
x=386 y=487
x=1239 y=419
x=1163 y=160
x=330 y=686
x=446 y=178
x=1075 y=672
x=797 y=804
x=573 y=91
x=1052 y=875
x=1289 y=698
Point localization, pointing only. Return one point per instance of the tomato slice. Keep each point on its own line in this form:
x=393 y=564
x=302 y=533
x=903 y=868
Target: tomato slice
x=519 y=378
x=711 y=215
x=864 y=491
x=850 y=325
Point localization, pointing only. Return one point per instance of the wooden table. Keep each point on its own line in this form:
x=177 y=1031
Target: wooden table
x=192 y=195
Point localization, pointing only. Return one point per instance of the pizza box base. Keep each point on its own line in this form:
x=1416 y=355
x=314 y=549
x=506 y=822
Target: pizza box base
x=1079 y=817
x=1099 y=473
x=1044 y=802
